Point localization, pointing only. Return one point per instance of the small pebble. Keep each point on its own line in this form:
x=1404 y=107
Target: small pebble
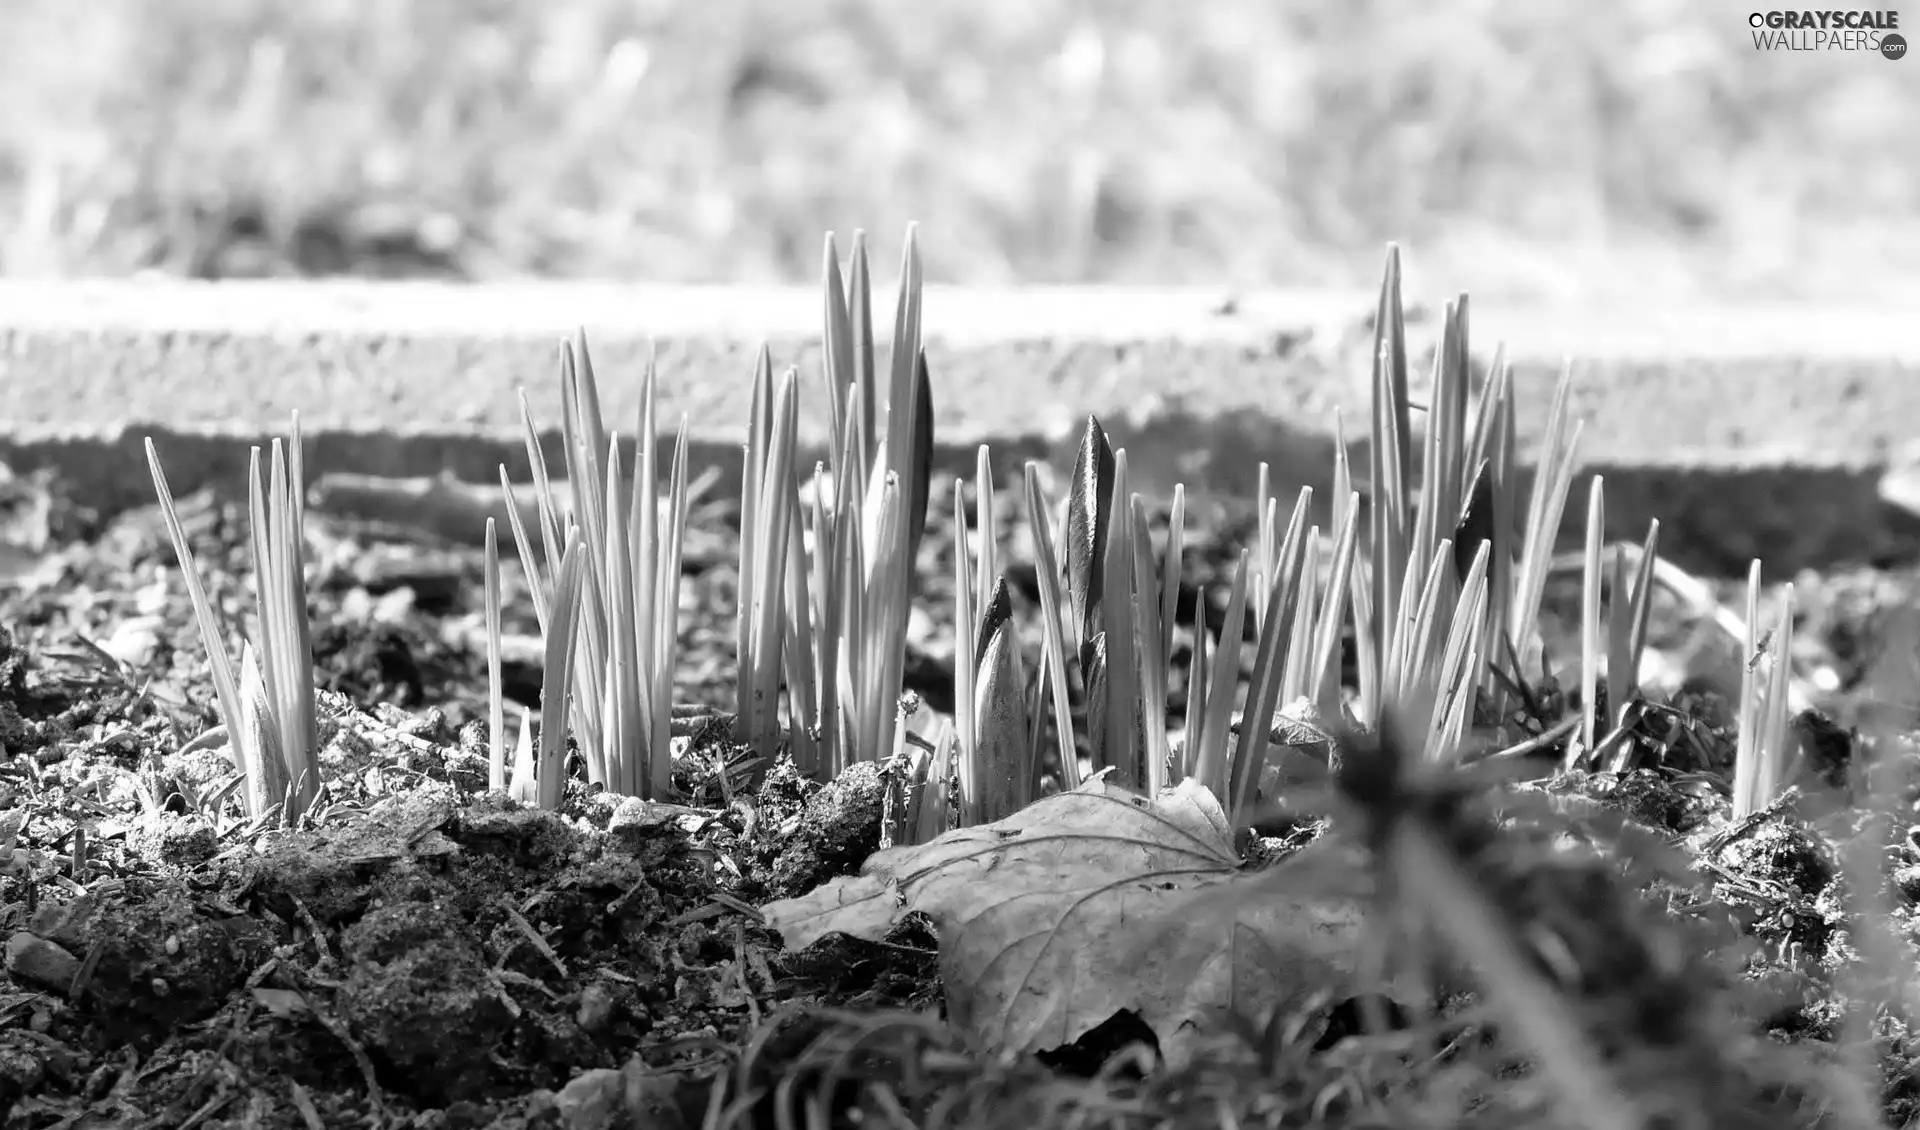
x=35 y=960
x=634 y=814
x=596 y=1006
x=593 y=1100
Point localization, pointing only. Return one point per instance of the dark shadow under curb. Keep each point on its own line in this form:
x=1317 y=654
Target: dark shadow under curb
x=1714 y=519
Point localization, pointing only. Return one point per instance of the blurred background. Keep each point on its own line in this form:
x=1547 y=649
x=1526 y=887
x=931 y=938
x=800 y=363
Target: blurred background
x=1558 y=149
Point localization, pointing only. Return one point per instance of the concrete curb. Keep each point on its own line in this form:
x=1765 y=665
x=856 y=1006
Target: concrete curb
x=1753 y=431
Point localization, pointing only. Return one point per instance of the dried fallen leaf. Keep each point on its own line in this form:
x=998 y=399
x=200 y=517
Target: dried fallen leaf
x=1084 y=904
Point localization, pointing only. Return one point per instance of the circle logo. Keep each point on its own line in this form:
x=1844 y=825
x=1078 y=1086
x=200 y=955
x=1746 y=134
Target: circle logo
x=1893 y=46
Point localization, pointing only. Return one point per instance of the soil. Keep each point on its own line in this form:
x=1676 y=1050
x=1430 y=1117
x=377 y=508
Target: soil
x=418 y=952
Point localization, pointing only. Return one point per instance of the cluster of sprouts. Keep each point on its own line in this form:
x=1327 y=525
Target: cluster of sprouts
x=1433 y=570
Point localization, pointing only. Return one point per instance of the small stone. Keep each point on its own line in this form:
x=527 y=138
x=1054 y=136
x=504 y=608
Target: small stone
x=597 y=1003
x=1907 y=880
x=35 y=960
x=593 y=1100
x=636 y=815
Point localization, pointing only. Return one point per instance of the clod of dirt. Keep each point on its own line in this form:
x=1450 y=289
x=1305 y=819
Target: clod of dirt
x=836 y=831
x=155 y=960
x=1784 y=852
x=1781 y=877
x=185 y=842
x=445 y=951
x=1660 y=801
x=420 y=991
x=327 y=876
x=36 y=961
x=198 y=770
